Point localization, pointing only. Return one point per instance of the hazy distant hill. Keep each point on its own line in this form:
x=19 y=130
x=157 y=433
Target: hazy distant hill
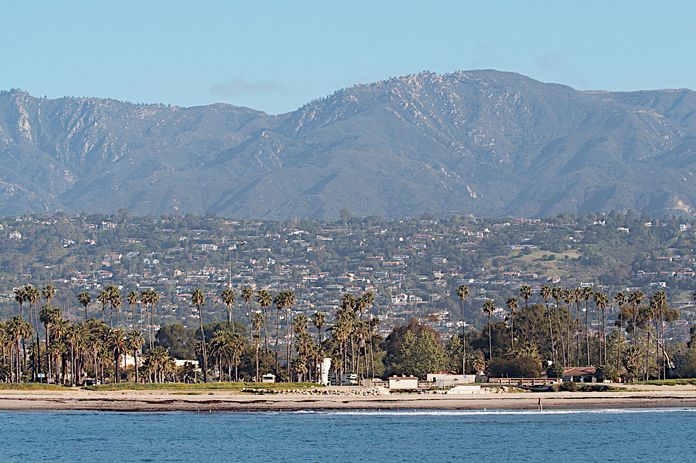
x=482 y=142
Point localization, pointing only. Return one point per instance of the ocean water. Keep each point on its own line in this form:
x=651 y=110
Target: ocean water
x=664 y=435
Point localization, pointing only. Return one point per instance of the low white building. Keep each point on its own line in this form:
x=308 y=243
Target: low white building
x=465 y=389
x=445 y=379
x=403 y=383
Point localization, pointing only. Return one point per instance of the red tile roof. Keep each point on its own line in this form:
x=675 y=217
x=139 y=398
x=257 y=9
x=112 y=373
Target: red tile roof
x=579 y=371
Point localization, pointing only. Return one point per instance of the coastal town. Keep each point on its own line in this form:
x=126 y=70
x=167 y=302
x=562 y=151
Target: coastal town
x=413 y=266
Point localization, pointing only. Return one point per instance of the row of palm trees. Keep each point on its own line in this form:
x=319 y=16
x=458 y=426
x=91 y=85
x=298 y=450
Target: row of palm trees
x=566 y=325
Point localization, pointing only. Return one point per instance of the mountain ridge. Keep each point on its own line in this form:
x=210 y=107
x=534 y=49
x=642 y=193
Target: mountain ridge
x=486 y=143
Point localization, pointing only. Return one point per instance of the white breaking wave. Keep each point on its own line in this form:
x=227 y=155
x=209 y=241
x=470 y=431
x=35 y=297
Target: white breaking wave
x=495 y=412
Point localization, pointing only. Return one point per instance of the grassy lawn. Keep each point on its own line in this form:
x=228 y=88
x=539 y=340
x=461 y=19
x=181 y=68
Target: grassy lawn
x=670 y=382
x=200 y=386
x=31 y=387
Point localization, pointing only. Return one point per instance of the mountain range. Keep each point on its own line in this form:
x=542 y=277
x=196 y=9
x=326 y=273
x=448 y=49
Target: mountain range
x=485 y=143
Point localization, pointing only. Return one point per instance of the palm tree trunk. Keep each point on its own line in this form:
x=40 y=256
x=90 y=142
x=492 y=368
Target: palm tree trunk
x=587 y=334
x=265 y=328
x=277 y=365
x=48 y=361
x=205 y=353
x=135 y=364
x=490 y=341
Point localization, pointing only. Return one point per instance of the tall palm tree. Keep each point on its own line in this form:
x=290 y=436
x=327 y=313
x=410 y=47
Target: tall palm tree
x=586 y=294
x=84 y=299
x=132 y=299
x=621 y=300
x=74 y=336
x=512 y=306
x=660 y=301
x=18 y=329
x=33 y=296
x=257 y=324
x=287 y=301
x=545 y=292
x=150 y=298
x=636 y=298
x=265 y=300
x=49 y=316
x=198 y=300
x=228 y=297
x=135 y=344
x=557 y=295
x=526 y=293
x=118 y=345
x=367 y=299
x=48 y=292
x=488 y=309
x=462 y=294
x=601 y=301
x=20 y=296
x=279 y=302
x=103 y=299
x=247 y=295
x=319 y=319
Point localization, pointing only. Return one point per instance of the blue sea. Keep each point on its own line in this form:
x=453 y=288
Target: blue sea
x=667 y=435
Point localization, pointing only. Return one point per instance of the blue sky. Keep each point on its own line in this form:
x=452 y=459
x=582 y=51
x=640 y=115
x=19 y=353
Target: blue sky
x=275 y=56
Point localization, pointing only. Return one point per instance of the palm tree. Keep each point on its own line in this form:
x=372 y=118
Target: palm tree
x=319 y=319
x=279 y=302
x=198 y=300
x=288 y=302
x=568 y=298
x=367 y=299
x=33 y=296
x=462 y=294
x=103 y=299
x=150 y=298
x=135 y=344
x=586 y=294
x=526 y=293
x=48 y=292
x=20 y=296
x=512 y=306
x=247 y=294
x=265 y=300
x=228 y=297
x=84 y=299
x=220 y=349
x=488 y=309
x=636 y=298
x=74 y=336
x=49 y=316
x=18 y=329
x=660 y=301
x=118 y=344
x=557 y=294
x=115 y=302
x=601 y=301
x=545 y=292
x=257 y=323
x=132 y=299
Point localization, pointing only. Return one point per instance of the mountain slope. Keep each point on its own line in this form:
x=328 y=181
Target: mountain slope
x=482 y=142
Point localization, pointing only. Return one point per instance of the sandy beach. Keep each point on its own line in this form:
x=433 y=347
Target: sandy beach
x=207 y=401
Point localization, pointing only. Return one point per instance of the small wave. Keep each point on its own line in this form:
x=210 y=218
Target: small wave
x=398 y=412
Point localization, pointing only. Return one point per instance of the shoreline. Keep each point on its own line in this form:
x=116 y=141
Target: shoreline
x=227 y=401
